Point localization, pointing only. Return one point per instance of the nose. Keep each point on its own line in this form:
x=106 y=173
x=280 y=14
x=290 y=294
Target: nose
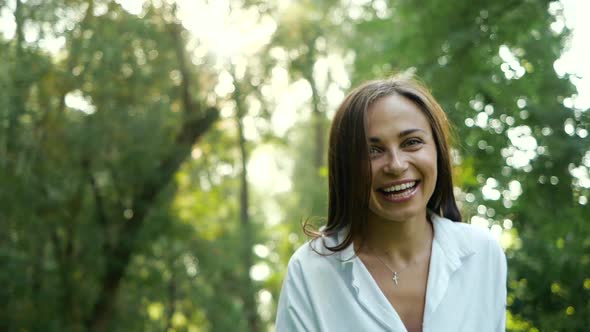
x=396 y=163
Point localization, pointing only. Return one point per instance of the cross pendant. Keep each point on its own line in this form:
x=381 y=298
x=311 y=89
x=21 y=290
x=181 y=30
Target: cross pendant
x=395 y=278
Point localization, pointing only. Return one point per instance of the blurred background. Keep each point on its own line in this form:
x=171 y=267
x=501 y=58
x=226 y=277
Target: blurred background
x=157 y=157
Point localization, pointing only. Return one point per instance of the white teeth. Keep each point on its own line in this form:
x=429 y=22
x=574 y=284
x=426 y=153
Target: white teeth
x=399 y=187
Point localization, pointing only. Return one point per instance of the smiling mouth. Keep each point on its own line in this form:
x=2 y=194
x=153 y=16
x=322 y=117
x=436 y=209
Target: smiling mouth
x=400 y=192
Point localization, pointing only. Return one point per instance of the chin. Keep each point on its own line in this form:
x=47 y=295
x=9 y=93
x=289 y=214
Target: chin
x=398 y=217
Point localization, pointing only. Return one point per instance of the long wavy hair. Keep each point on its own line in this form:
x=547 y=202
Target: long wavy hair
x=349 y=164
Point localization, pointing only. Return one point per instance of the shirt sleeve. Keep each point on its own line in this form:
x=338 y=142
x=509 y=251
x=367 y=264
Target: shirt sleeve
x=295 y=312
x=502 y=269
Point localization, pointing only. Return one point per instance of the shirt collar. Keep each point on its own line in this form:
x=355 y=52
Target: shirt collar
x=454 y=246
x=451 y=242
x=449 y=248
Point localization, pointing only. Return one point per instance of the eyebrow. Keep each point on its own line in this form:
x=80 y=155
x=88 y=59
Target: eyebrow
x=402 y=134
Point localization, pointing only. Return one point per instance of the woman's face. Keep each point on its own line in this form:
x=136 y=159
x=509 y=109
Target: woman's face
x=403 y=159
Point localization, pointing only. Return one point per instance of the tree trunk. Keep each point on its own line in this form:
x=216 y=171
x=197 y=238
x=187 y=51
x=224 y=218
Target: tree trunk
x=19 y=82
x=248 y=296
x=195 y=123
x=317 y=113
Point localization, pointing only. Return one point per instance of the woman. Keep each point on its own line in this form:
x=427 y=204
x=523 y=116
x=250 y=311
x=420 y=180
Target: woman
x=393 y=256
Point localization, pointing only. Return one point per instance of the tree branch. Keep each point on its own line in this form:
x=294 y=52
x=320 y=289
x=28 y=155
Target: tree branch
x=195 y=123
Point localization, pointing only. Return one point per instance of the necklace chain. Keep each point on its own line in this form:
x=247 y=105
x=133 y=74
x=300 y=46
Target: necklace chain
x=395 y=277
x=395 y=273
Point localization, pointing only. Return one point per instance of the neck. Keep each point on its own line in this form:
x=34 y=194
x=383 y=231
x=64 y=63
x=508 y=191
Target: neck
x=400 y=241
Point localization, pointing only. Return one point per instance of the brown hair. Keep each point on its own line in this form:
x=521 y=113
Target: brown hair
x=350 y=180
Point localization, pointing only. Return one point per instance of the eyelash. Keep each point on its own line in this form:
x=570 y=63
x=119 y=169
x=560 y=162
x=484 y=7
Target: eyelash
x=414 y=140
x=374 y=149
x=408 y=143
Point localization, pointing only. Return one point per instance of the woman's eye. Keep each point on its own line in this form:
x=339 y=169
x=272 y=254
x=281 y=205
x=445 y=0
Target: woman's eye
x=412 y=142
x=374 y=150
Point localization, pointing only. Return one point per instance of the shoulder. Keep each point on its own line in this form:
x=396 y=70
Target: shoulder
x=481 y=266
x=315 y=253
x=470 y=239
x=462 y=229
x=313 y=264
x=315 y=277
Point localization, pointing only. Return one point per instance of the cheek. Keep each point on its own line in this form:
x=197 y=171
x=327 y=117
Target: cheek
x=433 y=177
x=374 y=169
x=434 y=167
x=373 y=203
x=430 y=169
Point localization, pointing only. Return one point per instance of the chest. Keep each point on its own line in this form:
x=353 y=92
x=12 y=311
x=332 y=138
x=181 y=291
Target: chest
x=456 y=300
x=408 y=295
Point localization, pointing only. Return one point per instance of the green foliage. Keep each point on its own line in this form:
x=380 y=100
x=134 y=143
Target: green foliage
x=120 y=202
x=89 y=186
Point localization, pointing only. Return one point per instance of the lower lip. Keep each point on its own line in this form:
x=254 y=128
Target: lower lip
x=400 y=198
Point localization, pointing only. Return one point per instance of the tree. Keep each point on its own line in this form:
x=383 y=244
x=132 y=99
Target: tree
x=92 y=178
x=127 y=202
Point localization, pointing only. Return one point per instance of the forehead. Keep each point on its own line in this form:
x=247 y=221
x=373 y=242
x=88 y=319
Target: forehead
x=394 y=114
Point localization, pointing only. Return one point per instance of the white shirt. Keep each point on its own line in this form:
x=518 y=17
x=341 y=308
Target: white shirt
x=466 y=288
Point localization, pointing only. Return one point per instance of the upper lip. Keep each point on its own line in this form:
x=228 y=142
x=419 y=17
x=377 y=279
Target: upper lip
x=395 y=183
